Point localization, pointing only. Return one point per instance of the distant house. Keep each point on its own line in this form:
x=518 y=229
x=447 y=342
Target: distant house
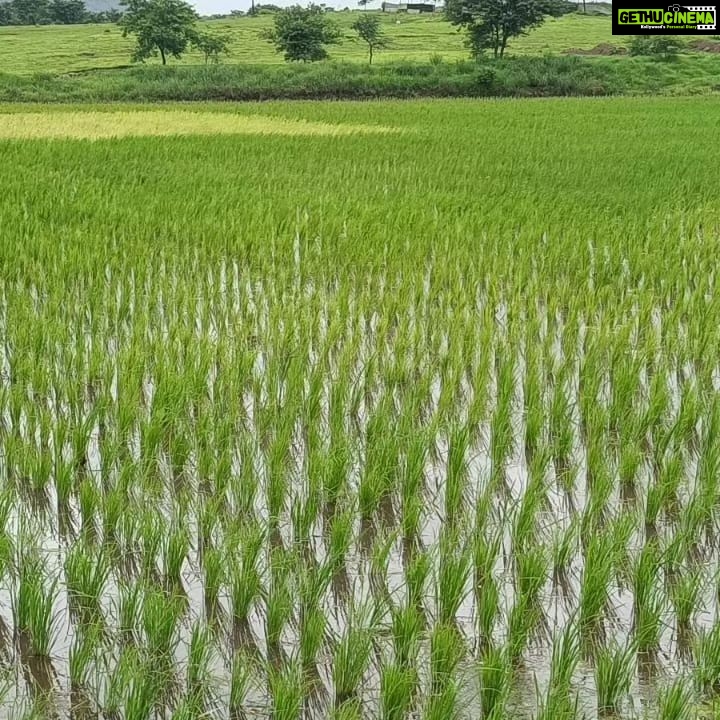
x=412 y=8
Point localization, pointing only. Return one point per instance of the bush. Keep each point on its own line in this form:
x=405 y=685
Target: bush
x=662 y=47
x=486 y=77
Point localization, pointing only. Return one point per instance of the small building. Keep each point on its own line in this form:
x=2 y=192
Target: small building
x=412 y=8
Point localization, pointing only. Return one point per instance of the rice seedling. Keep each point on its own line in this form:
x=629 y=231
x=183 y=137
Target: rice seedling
x=532 y=571
x=485 y=587
x=339 y=539
x=141 y=696
x=199 y=680
x=34 y=608
x=286 y=689
x=406 y=634
x=245 y=582
x=443 y=705
x=378 y=570
x=7 y=543
x=350 y=663
x=82 y=657
x=594 y=587
x=129 y=610
x=534 y=500
x=614 y=668
x=456 y=476
x=85 y=580
x=630 y=462
x=151 y=530
x=175 y=553
x=533 y=395
x=452 y=582
x=649 y=602
x=564 y=551
x=676 y=701
x=495 y=676
x=686 y=595
x=706 y=654
x=417 y=573
x=561 y=435
x=565 y=658
x=313 y=624
x=560 y=701
x=502 y=435
x=240 y=681
x=161 y=615
x=555 y=705
x=397 y=685
x=214 y=567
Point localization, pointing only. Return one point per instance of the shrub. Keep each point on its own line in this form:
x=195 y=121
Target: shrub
x=662 y=47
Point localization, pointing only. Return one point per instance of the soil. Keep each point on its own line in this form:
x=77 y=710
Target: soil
x=601 y=49
x=705 y=45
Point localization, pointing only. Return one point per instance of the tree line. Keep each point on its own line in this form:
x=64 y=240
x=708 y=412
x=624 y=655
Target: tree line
x=168 y=27
x=52 y=12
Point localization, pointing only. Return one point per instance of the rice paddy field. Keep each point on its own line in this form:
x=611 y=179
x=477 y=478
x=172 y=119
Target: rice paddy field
x=385 y=410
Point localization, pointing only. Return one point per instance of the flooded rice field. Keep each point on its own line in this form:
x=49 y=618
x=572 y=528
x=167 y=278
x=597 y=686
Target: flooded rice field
x=348 y=457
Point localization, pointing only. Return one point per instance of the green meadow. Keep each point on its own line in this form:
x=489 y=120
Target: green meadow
x=360 y=410
x=62 y=49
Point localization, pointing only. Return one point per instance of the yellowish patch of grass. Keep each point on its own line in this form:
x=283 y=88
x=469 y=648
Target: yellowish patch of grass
x=103 y=125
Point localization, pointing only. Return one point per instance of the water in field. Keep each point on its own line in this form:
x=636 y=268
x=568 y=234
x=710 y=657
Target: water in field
x=277 y=443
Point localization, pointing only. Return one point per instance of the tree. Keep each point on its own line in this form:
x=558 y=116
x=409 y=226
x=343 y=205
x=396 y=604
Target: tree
x=302 y=33
x=30 y=12
x=160 y=26
x=212 y=45
x=363 y=4
x=67 y=12
x=369 y=30
x=491 y=23
x=6 y=16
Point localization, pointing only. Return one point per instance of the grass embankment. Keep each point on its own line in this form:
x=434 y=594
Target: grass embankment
x=519 y=77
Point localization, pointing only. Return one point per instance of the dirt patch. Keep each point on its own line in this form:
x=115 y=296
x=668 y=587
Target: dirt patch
x=604 y=49
x=702 y=45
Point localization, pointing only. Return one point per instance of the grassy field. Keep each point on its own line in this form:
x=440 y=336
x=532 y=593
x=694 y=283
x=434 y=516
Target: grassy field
x=62 y=49
x=334 y=410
